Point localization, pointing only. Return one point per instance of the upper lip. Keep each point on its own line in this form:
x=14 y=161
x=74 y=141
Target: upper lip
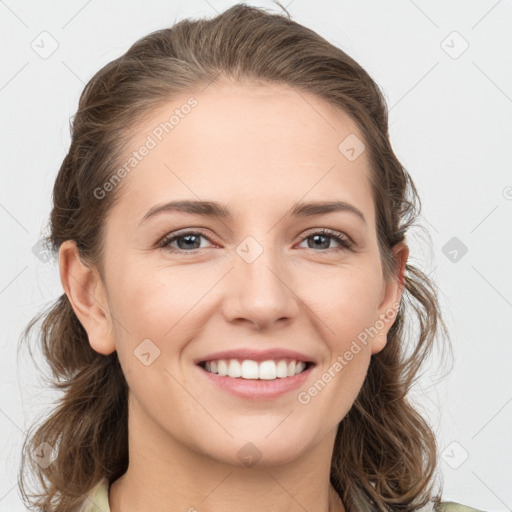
x=256 y=355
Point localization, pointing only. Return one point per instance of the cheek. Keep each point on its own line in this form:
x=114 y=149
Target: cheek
x=156 y=304
x=351 y=303
x=150 y=328
x=349 y=312
x=151 y=300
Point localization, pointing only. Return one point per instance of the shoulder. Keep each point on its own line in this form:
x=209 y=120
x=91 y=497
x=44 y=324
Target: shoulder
x=97 y=498
x=450 y=506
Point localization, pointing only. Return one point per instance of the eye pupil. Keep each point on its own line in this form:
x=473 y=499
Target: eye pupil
x=317 y=237
x=188 y=243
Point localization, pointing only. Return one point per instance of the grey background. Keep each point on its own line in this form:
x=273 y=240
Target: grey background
x=450 y=125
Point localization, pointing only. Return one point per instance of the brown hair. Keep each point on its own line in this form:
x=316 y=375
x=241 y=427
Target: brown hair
x=385 y=453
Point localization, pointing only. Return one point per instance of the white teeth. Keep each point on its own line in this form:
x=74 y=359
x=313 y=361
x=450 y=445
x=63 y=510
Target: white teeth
x=234 y=369
x=268 y=370
x=282 y=369
x=222 y=368
x=300 y=367
x=249 y=369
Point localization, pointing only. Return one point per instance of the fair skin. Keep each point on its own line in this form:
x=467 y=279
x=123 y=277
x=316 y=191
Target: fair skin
x=257 y=150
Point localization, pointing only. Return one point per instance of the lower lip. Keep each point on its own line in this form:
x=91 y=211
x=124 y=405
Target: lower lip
x=257 y=389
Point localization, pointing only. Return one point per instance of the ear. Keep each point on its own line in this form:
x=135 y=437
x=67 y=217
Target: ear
x=393 y=289
x=87 y=295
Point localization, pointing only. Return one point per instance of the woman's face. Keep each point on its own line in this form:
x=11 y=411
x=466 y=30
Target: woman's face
x=259 y=278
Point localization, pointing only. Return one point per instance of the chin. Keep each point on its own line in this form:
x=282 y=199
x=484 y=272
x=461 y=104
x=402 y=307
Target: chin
x=256 y=451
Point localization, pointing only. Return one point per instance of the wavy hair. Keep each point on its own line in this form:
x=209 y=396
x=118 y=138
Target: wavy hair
x=385 y=453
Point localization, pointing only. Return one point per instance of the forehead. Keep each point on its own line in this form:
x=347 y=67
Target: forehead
x=268 y=144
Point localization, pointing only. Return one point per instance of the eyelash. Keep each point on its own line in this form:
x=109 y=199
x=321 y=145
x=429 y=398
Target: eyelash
x=342 y=239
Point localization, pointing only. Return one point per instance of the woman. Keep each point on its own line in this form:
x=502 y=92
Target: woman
x=230 y=221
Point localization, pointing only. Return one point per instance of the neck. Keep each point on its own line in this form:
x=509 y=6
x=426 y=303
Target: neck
x=123 y=496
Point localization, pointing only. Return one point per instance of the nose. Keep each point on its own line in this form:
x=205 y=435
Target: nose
x=260 y=292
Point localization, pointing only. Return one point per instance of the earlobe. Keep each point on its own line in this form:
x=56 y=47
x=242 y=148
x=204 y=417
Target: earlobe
x=388 y=309
x=86 y=293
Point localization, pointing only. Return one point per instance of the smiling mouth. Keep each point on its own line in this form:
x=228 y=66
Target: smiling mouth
x=256 y=370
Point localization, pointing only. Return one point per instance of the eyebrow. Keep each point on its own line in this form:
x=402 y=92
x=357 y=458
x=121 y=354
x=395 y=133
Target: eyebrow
x=217 y=210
